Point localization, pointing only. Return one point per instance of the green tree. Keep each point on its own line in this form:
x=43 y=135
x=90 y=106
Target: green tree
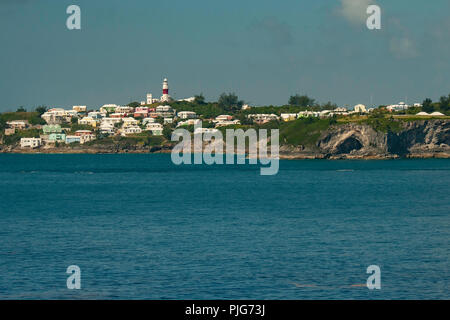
x=41 y=110
x=427 y=105
x=445 y=103
x=167 y=133
x=329 y=106
x=134 y=104
x=199 y=99
x=302 y=101
x=230 y=102
x=21 y=109
x=2 y=124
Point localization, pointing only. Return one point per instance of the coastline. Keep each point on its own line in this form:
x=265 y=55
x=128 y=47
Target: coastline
x=283 y=156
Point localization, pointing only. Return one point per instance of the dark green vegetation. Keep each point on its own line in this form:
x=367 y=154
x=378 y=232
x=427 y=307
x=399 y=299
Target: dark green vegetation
x=442 y=106
x=15 y=138
x=75 y=127
x=32 y=117
x=383 y=124
x=302 y=101
x=230 y=102
x=144 y=139
x=303 y=132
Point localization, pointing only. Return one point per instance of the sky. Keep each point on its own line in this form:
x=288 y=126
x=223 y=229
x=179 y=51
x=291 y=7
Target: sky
x=262 y=50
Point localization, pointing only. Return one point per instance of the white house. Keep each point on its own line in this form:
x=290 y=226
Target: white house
x=205 y=130
x=148 y=120
x=58 y=115
x=79 y=138
x=191 y=99
x=17 y=124
x=190 y=122
x=262 y=118
x=224 y=117
x=397 y=107
x=131 y=130
x=224 y=123
x=187 y=115
x=360 y=108
x=164 y=111
x=288 y=116
x=155 y=128
x=88 y=121
x=111 y=121
x=124 y=109
x=30 y=142
x=129 y=122
x=107 y=128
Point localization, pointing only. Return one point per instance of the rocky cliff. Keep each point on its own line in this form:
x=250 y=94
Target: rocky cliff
x=415 y=139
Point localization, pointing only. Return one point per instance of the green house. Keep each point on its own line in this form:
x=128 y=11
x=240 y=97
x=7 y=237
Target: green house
x=57 y=137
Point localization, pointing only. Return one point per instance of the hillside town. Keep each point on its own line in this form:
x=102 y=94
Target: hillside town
x=153 y=116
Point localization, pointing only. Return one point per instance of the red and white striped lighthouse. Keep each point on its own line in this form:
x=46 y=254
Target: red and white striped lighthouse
x=165 y=96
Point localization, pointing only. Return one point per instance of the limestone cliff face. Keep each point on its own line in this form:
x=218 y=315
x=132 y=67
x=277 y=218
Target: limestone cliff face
x=421 y=138
x=427 y=138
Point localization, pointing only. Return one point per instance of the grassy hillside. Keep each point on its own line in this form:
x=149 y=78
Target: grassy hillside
x=32 y=117
x=303 y=131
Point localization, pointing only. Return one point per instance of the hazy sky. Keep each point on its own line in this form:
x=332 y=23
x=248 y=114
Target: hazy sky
x=263 y=50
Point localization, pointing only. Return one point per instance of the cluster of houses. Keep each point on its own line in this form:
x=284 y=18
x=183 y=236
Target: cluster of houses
x=56 y=134
x=113 y=119
x=109 y=120
x=262 y=118
x=401 y=106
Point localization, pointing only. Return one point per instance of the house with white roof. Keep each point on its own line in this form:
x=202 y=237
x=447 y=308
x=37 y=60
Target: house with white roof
x=187 y=115
x=88 y=121
x=131 y=130
x=288 y=116
x=155 y=128
x=261 y=118
x=30 y=142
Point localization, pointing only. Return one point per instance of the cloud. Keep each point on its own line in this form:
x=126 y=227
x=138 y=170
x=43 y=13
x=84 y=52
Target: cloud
x=402 y=43
x=403 y=47
x=273 y=32
x=354 y=11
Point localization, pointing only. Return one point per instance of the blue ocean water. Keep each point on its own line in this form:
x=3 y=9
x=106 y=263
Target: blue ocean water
x=140 y=227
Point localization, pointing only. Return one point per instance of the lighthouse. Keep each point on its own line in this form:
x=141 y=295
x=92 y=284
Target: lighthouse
x=165 y=91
